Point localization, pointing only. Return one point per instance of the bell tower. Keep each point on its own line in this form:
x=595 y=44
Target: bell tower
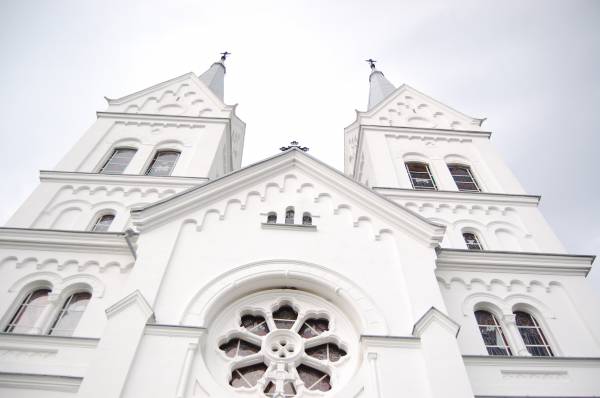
x=144 y=147
x=431 y=158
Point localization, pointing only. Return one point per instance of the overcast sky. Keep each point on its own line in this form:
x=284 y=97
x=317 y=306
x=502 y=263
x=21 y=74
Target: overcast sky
x=298 y=72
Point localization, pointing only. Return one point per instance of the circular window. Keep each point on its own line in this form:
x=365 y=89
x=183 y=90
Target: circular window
x=283 y=343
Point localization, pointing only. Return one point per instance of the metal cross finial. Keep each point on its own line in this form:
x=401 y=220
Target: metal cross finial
x=224 y=55
x=371 y=62
x=294 y=144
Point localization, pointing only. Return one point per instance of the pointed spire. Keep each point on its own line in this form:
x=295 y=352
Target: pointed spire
x=214 y=77
x=380 y=87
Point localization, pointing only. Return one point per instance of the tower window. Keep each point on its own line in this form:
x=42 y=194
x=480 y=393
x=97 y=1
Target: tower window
x=463 y=177
x=118 y=161
x=163 y=163
x=29 y=312
x=289 y=215
x=532 y=335
x=306 y=219
x=472 y=241
x=492 y=334
x=420 y=176
x=70 y=314
x=103 y=223
x=272 y=218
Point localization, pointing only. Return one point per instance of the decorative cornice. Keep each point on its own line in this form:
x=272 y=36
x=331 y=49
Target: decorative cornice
x=154 y=329
x=40 y=381
x=459 y=197
x=387 y=209
x=61 y=240
x=534 y=362
x=160 y=118
x=53 y=341
x=120 y=179
x=296 y=227
x=422 y=131
x=391 y=341
x=134 y=298
x=435 y=315
x=513 y=262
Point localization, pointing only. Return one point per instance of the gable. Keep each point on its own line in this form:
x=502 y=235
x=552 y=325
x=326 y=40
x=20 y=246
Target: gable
x=296 y=179
x=185 y=95
x=407 y=107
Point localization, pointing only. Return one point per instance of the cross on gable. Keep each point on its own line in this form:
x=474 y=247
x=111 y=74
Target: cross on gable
x=294 y=144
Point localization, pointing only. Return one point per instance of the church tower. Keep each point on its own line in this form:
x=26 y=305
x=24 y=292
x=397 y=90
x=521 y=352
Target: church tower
x=149 y=263
x=180 y=129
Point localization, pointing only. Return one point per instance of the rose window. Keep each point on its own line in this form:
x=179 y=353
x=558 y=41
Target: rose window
x=285 y=348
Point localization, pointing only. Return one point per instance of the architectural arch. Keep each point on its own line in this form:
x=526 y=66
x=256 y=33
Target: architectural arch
x=204 y=306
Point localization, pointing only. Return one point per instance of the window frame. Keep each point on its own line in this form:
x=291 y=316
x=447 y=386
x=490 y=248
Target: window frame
x=471 y=175
x=61 y=311
x=155 y=156
x=477 y=239
x=271 y=214
x=19 y=302
x=540 y=333
x=110 y=155
x=293 y=218
x=428 y=171
x=97 y=219
x=499 y=327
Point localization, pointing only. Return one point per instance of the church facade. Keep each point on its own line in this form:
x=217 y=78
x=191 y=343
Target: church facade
x=149 y=263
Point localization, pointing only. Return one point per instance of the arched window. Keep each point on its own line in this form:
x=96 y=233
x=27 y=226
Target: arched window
x=163 y=163
x=492 y=334
x=420 y=176
x=306 y=219
x=289 y=215
x=118 y=161
x=29 y=312
x=472 y=241
x=103 y=222
x=532 y=335
x=70 y=314
x=463 y=178
x=272 y=218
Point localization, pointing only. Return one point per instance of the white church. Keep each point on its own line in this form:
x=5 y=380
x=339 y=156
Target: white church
x=149 y=263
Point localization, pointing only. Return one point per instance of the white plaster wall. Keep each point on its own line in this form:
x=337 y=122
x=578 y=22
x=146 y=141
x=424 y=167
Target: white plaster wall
x=197 y=141
x=74 y=202
x=555 y=301
x=500 y=223
x=64 y=272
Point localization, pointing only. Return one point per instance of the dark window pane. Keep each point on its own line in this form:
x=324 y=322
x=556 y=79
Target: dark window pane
x=163 y=163
x=28 y=312
x=318 y=352
x=247 y=376
x=289 y=216
x=314 y=379
x=472 y=241
x=420 y=176
x=118 y=161
x=103 y=223
x=247 y=349
x=463 y=178
x=255 y=324
x=306 y=219
x=272 y=218
x=285 y=317
x=70 y=314
x=328 y=351
x=230 y=348
x=492 y=334
x=532 y=335
x=313 y=327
